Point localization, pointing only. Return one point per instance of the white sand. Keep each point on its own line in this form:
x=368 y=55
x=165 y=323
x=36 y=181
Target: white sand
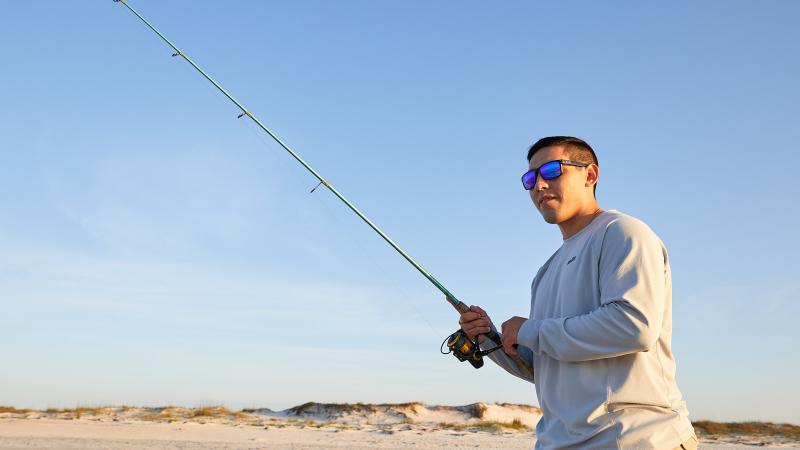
x=310 y=426
x=86 y=434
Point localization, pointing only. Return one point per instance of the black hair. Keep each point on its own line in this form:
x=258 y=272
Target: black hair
x=578 y=149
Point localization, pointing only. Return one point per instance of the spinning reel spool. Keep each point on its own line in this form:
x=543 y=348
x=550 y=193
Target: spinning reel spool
x=464 y=349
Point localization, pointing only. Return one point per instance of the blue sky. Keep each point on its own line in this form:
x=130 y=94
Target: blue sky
x=155 y=249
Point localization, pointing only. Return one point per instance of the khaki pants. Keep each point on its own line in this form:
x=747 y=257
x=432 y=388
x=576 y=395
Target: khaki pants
x=689 y=444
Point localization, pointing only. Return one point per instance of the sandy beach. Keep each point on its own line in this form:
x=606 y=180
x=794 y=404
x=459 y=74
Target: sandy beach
x=55 y=434
x=85 y=434
x=308 y=426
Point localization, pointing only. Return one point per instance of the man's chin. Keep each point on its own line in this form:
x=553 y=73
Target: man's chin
x=549 y=216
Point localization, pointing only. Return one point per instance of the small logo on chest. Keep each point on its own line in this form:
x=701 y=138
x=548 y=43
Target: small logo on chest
x=570 y=260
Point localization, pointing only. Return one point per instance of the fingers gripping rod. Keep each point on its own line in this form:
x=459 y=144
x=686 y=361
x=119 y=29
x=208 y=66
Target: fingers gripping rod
x=458 y=305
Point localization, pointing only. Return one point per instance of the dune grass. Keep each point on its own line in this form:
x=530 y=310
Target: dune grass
x=710 y=428
x=12 y=410
x=517 y=424
x=81 y=411
x=212 y=411
x=486 y=425
x=167 y=414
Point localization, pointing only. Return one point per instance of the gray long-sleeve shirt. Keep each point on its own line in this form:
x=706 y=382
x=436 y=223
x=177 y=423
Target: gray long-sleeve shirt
x=599 y=339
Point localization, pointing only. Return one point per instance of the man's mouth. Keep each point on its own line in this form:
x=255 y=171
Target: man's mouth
x=545 y=198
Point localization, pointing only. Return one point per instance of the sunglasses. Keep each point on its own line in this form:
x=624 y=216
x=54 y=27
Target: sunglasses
x=548 y=171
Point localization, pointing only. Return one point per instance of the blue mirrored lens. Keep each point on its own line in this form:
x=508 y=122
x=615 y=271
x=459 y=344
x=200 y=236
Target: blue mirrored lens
x=550 y=170
x=529 y=179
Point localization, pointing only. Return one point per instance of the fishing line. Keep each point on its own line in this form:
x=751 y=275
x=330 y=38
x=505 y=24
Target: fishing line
x=244 y=112
x=323 y=202
x=376 y=261
x=409 y=300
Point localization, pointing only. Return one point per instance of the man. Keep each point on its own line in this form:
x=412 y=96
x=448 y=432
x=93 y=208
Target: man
x=599 y=331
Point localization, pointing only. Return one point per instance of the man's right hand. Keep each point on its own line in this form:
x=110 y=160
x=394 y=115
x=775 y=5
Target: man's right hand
x=475 y=322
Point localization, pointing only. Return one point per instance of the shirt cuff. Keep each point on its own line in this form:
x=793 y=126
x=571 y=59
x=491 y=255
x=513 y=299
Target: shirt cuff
x=528 y=334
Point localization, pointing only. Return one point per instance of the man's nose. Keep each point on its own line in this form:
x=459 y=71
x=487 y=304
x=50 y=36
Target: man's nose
x=540 y=184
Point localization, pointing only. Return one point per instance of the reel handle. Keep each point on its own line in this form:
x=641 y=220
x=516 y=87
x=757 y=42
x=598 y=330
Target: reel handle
x=495 y=336
x=461 y=307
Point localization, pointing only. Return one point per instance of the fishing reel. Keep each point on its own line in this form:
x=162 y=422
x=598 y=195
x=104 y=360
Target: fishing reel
x=464 y=349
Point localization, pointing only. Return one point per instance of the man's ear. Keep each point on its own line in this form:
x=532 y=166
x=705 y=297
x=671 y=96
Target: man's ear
x=592 y=174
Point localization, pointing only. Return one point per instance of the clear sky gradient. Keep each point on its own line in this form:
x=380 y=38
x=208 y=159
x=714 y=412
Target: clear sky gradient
x=156 y=250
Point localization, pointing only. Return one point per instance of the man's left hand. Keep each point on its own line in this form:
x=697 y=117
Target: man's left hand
x=509 y=330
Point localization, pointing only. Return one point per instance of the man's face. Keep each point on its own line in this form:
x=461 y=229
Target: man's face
x=561 y=198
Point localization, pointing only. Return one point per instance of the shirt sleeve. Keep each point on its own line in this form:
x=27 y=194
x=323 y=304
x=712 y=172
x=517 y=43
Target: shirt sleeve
x=633 y=291
x=506 y=362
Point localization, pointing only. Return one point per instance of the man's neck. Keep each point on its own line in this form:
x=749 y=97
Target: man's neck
x=572 y=226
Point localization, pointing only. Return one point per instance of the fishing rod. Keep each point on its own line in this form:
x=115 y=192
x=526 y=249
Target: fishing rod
x=458 y=343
